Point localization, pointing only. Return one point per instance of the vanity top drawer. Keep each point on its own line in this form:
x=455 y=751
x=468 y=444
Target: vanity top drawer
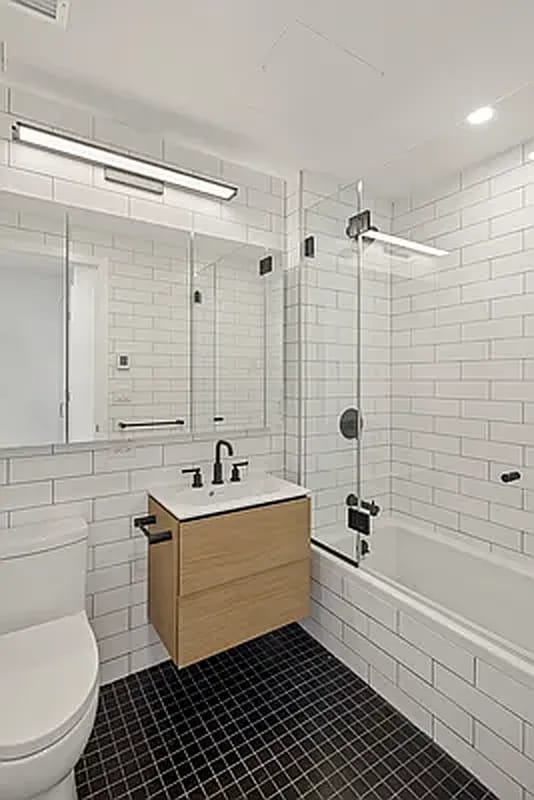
x=223 y=548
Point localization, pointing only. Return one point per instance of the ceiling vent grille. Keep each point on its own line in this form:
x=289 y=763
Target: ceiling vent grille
x=52 y=10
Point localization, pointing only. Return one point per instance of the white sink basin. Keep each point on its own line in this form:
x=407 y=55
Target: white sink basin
x=253 y=485
x=255 y=490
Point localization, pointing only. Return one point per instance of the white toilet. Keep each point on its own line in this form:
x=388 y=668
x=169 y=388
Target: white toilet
x=48 y=660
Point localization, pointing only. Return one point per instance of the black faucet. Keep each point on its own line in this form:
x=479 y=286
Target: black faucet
x=217 y=466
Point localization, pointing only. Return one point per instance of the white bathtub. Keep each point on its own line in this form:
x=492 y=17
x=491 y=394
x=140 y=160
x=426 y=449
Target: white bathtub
x=489 y=596
x=446 y=633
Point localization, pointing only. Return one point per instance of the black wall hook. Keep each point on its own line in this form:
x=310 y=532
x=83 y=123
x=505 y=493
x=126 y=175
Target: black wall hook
x=509 y=477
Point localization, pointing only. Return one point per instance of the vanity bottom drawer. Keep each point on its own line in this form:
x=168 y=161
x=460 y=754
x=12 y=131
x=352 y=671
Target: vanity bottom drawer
x=217 y=619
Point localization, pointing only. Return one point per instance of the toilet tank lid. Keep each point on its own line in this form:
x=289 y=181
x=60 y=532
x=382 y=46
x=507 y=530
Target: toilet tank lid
x=30 y=539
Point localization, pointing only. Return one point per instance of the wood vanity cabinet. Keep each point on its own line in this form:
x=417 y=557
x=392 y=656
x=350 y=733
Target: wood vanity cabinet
x=224 y=579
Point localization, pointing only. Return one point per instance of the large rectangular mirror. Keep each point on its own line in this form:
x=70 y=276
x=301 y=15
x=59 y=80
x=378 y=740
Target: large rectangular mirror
x=117 y=329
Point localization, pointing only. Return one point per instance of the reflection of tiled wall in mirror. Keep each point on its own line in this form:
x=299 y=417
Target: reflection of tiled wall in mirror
x=241 y=339
x=240 y=332
x=147 y=321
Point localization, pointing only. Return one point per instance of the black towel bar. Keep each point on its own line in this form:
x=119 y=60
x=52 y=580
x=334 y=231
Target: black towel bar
x=157 y=423
x=154 y=537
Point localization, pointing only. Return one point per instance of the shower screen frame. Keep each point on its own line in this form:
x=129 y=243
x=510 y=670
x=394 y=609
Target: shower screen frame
x=319 y=382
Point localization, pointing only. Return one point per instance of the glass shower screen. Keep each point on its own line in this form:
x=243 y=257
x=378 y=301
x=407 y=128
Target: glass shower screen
x=331 y=381
x=346 y=365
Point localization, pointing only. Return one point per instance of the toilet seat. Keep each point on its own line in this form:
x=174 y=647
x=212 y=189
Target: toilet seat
x=49 y=681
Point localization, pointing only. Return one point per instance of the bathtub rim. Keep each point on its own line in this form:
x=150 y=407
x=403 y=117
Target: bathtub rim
x=476 y=548
x=477 y=643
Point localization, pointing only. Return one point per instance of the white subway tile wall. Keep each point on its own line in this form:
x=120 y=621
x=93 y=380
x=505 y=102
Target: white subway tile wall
x=480 y=714
x=462 y=357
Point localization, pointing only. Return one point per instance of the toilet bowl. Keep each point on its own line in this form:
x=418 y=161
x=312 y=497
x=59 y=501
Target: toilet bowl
x=49 y=678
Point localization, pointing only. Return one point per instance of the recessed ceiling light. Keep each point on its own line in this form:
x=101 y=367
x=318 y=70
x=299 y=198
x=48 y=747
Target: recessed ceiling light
x=481 y=115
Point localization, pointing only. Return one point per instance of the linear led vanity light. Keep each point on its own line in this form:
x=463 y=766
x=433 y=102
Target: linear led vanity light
x=398 y=241
x=94 y=154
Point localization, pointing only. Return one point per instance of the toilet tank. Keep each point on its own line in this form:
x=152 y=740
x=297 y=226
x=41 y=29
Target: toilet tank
x=42 y=572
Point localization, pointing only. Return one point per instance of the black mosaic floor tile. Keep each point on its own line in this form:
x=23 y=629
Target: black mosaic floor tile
x=278 y=717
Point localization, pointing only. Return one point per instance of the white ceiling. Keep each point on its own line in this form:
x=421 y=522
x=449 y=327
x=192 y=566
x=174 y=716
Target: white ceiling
x=338 y=86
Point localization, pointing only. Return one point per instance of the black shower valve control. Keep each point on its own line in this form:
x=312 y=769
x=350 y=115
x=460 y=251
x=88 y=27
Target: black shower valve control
x=510 y=477
x=372 y=508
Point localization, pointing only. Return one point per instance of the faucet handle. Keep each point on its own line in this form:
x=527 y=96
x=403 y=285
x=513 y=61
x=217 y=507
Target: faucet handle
x=196 y=472
x=236 y=475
